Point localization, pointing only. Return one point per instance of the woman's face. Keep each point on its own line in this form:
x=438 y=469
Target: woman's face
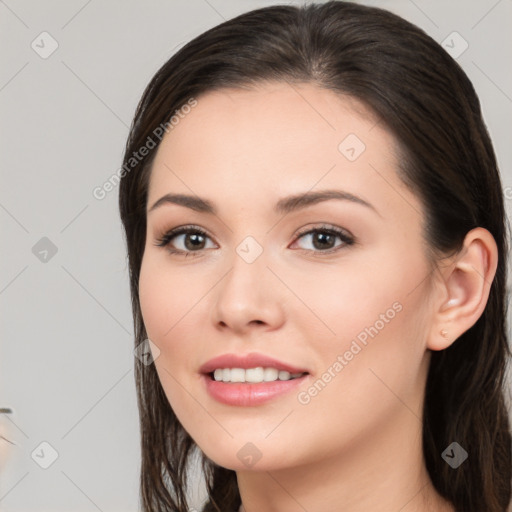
x=309 y=259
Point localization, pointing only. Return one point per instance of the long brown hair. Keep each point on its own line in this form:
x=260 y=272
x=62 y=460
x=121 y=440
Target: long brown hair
x=423 y=97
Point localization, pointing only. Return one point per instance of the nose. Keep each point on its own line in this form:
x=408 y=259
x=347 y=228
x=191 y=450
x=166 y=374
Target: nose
x=249 y=298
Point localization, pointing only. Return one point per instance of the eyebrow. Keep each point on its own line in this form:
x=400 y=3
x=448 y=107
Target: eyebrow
x=284 y=205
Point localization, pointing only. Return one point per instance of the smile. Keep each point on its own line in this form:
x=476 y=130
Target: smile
x=246 y=380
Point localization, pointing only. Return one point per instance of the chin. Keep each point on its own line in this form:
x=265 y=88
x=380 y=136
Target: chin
x=249 y=456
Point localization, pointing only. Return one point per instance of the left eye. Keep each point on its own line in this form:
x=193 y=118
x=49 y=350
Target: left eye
x=324 y=239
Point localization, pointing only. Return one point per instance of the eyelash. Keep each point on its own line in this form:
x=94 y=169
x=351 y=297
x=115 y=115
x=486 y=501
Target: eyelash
x=166 y=238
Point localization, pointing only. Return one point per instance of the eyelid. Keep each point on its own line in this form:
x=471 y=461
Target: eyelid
x=323 y=227
x=343 y=234
x=164 y=239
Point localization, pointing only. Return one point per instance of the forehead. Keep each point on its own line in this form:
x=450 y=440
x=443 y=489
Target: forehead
x=272 y=115
x=277 y=138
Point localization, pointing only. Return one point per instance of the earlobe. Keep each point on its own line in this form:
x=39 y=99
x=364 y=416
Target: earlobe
x=465 y=287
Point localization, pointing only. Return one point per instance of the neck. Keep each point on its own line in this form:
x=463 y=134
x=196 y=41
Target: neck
x=386 y=471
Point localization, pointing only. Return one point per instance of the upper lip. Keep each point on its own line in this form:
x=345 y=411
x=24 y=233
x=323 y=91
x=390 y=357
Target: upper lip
x=245 y=361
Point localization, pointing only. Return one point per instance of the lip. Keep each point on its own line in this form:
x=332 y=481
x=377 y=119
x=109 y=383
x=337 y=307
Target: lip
x=243 y=394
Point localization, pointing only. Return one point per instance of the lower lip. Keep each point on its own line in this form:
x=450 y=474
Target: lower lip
x=246 y=394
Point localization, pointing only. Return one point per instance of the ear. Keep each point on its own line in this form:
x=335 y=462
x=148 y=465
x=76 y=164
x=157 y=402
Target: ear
x=463 y=289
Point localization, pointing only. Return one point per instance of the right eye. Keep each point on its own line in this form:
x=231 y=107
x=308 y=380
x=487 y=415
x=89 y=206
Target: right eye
x=185 y=240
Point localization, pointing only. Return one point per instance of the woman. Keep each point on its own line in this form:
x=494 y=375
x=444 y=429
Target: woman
x=316 y=240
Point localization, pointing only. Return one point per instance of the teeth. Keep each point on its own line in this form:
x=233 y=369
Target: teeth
x=253 y=375
x=270 y=374
x=237 y=375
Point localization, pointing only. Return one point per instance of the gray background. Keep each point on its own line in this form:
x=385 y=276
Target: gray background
x=66 y=327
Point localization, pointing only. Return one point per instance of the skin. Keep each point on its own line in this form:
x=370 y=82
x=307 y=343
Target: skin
x=356 y=445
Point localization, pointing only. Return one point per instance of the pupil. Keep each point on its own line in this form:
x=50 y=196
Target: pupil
x=194 y=241
x=325 y=240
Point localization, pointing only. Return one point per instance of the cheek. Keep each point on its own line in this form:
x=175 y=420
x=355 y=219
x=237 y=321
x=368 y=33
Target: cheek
x=169 y=321
x=370 y=314
x=171 y=324
x=375 y=357
x=167 y=296
x=345 y=300
x=175 y=308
